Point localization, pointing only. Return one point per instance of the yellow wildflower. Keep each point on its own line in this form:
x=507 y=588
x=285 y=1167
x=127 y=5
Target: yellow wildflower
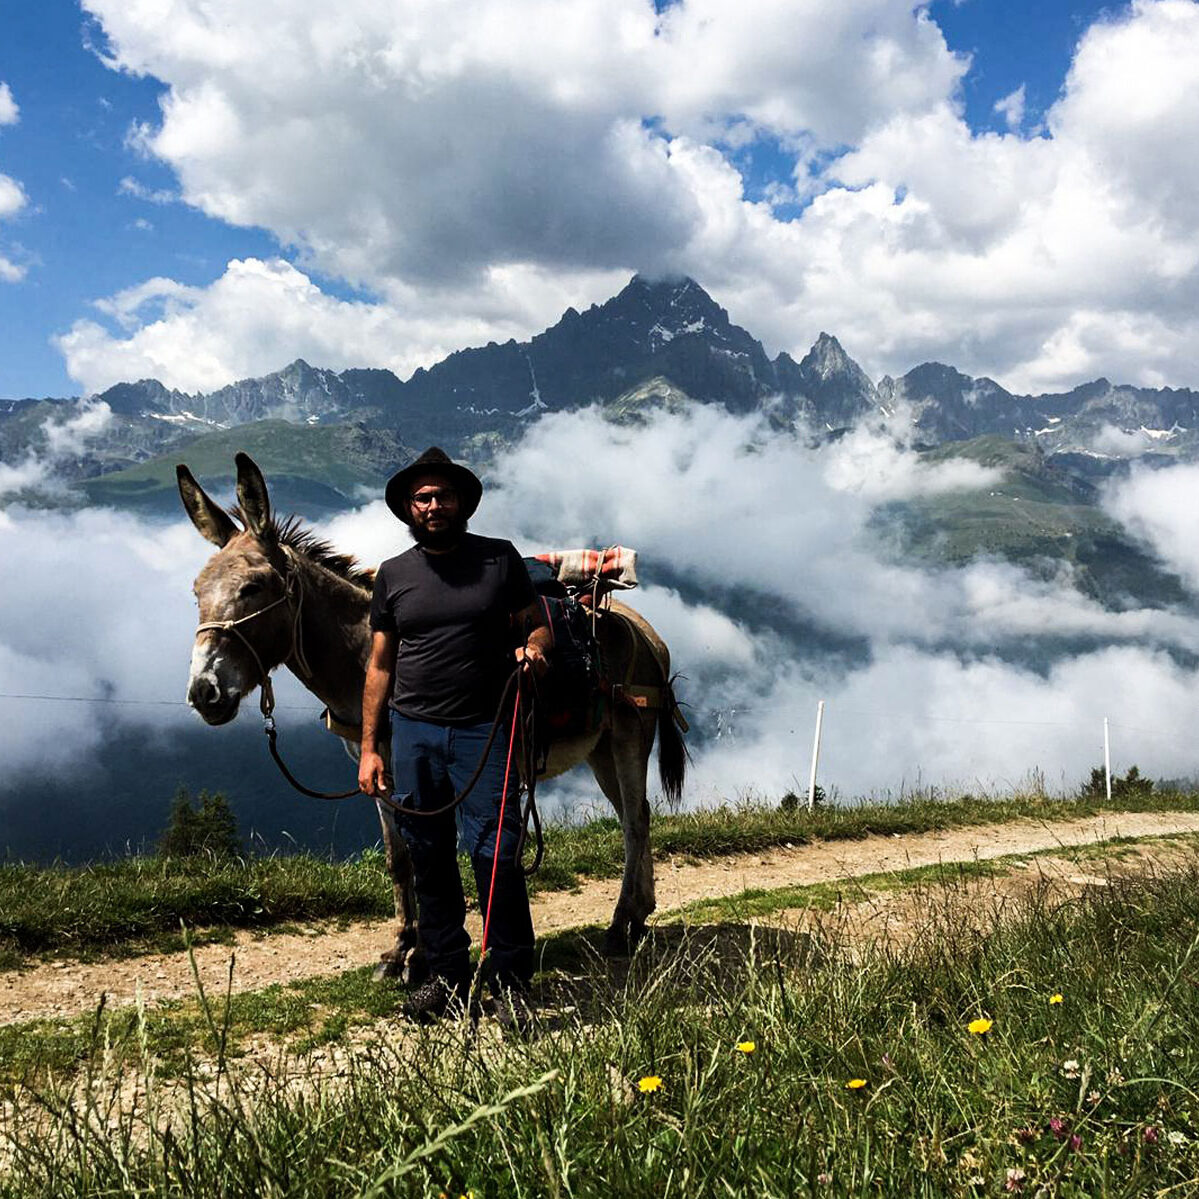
x=979 y=1027
x=746 y=1046
x=649 y=1084
x=856 y=1084
x=1055 y=997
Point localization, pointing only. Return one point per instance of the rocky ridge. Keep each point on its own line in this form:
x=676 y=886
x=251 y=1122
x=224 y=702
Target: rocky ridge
x=656 y=342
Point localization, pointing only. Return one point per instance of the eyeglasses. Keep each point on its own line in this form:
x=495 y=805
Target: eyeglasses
x=423 y=499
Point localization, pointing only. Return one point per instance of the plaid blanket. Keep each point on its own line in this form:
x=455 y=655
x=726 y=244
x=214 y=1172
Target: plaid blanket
x=615 y=568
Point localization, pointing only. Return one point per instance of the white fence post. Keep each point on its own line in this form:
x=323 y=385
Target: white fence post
x=815 y=756
x=1107 y=759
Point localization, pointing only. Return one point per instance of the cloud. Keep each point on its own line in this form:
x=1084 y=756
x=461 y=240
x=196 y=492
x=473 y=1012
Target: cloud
x=1090 y=226
x=260 y=315
x=56 y=440
x=762 y=569
x=777 y=517
x=912 y=719
x=106 y=636
x=1011 y=108
x=1162 y=507
x=778 y=564
x=453 y=141
x=464 y=153
x=139 y=191
x=1124 y=443
x=12 y=197
x=12 y=194
x=869 y=463
x=10 y=114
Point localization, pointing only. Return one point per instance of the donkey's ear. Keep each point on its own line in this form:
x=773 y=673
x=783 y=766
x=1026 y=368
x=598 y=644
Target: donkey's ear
x=252 y=496
x=214 y=523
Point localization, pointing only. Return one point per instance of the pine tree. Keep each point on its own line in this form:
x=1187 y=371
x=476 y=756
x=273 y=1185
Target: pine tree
x=209 y=828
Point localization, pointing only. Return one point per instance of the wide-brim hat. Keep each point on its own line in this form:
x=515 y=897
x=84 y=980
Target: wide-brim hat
x=434 y=461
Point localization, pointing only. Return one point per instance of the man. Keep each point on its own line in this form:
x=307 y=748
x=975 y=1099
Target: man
x=451 y=619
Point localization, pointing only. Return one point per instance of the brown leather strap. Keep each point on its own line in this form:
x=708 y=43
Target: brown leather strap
x=638 y=696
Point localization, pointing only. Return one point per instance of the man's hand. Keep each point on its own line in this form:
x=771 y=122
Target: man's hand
x=531 y=657
x=372 y=776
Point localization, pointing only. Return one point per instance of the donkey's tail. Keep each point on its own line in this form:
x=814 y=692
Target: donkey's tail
x=672 y=752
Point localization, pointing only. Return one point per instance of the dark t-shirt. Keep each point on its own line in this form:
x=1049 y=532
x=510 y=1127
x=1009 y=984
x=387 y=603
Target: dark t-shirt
x=452 y=614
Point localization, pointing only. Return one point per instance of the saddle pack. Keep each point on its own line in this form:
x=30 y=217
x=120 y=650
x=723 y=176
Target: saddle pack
x=571 y=702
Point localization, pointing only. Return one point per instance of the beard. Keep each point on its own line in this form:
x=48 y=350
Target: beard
x=439 y=539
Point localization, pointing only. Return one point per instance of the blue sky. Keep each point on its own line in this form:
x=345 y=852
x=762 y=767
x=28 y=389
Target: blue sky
x=1013 y=42
x=480 y=258
x=81 y=236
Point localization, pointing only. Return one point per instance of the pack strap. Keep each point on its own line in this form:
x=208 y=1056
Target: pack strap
x=637 y=696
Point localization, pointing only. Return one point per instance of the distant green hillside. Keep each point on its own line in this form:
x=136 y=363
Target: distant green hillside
x=1036 y=517
x=308 y=466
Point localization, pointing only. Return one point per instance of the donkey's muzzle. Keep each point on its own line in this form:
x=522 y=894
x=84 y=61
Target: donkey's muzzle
x=213 y=705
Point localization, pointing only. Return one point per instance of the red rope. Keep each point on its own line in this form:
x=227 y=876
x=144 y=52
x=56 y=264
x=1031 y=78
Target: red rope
x=499 y=832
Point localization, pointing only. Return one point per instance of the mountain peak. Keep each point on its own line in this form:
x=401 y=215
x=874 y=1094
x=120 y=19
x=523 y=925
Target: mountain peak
x=665 y=293
x=826 y=357
x=828 y=360
x=655 y=311
x=659 y=284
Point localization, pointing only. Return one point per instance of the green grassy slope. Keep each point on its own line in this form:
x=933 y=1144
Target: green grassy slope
x=1035 y=517
x=323 y=464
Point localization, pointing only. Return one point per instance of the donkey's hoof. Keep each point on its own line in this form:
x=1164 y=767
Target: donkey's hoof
x=621 y=940
x=416 y=970
x=387 y=969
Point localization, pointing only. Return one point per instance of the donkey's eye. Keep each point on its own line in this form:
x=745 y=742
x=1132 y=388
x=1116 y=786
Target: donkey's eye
x=249 y=589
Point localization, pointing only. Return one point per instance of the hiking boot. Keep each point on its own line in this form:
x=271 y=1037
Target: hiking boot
x=514 y=1010
x=434 y=998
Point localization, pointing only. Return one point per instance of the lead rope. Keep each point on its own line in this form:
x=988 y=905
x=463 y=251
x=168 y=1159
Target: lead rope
x=266 y=705
x=499 y=832
x=293 y=587
x=528 y=750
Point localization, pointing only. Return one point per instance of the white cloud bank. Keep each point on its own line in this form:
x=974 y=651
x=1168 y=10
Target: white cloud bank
x=713 y=499
x=36 y=471
x=761 y=572
x=259 y=316
x=477 y=167
x=1162 y=507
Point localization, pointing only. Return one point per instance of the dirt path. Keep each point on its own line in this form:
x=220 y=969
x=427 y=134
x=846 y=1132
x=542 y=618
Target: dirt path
x=63 y=989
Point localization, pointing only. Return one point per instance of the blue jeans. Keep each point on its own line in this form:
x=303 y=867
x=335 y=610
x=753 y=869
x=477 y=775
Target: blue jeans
x=430 y=764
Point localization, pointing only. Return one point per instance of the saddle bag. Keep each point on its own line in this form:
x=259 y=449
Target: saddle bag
x=569 y=697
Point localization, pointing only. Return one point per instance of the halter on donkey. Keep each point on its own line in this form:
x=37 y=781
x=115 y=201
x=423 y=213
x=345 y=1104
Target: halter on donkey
x=273 y=594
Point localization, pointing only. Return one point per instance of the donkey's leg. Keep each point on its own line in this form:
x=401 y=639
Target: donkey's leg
x=619 y=764
x=404 y=960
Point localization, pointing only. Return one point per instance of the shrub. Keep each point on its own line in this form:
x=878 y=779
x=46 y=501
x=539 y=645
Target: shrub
x=792 y=802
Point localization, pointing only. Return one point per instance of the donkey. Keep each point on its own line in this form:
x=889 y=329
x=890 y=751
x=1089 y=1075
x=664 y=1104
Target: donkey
x=274 y=594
